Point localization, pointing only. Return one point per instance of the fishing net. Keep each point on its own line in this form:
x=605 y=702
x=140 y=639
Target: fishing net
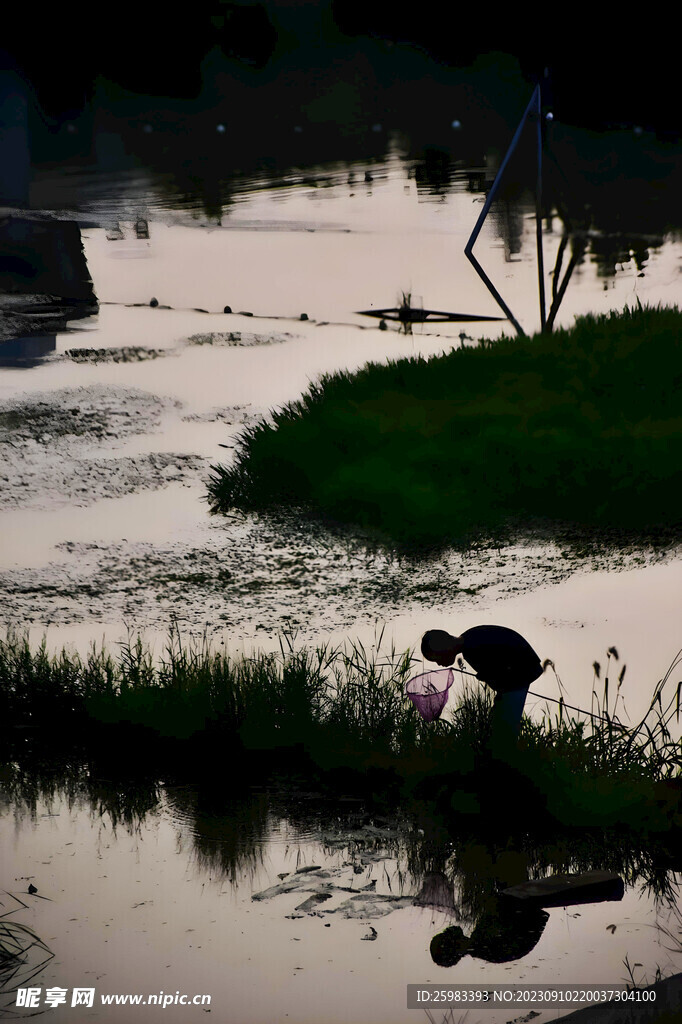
x=429 y=692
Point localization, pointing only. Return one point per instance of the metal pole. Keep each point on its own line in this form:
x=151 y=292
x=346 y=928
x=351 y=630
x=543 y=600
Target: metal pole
x=468 y=249
x=538 y=217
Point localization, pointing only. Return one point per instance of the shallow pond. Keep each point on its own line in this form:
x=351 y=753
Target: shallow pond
x=105 y=528
x=292 y=908
x=112 y=436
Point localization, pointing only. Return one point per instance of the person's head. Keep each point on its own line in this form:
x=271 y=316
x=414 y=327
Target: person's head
x=441 y=647
x=448 y=947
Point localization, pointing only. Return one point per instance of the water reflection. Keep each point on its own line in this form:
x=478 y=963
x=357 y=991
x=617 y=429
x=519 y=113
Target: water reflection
x=229 y=831
x=230 y=827
x=44 y=778
x=621 y=196
x=27 y=351
x=488 y=888
x=503 y=933
x=291 y=861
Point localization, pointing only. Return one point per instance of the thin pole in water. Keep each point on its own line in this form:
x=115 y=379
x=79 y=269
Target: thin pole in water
x=541 y=696
x=538 y=215
x=535 y=102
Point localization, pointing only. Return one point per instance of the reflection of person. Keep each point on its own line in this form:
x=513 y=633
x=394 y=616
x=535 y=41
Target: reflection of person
x=502 y=659
x=505 y=932
x=506 y=928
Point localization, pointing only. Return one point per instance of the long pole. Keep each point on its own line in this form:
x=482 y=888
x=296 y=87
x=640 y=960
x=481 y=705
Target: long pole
x=535 y=102
x=538 y=215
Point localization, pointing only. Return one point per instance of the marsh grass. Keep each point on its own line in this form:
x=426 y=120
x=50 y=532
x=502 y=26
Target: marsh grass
x=22 y=953
x=578 y=427
x=596 y=767
x=344 y=707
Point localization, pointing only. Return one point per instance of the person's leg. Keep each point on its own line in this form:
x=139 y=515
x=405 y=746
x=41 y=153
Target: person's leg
x=505 y=723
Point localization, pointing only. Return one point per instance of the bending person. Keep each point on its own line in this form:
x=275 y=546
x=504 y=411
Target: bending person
x=503 y=660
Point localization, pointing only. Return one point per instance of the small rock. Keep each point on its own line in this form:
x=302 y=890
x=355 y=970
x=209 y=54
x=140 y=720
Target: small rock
x=227 y=309
x=304 y=316
x=383 y=326
x=32 y=889
x=153 y=302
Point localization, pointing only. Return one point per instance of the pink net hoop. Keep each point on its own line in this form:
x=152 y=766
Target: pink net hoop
x=429 y=692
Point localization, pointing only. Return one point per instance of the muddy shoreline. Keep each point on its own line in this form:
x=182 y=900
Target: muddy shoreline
x=68 y=450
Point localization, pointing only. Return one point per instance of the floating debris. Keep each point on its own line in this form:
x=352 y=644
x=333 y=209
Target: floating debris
x=313 y=902
x=412 y=315
x=569 y=890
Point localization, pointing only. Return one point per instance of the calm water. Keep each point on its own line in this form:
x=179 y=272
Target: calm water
x=106 y=528
x=171 y=890
x=394 y=224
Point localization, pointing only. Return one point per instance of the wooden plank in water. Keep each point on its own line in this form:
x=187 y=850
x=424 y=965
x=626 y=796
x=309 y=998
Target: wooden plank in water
x=569 y=890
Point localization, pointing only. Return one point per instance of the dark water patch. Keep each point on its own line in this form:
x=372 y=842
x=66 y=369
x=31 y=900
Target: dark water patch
x=233 y=414
x=368 y=862
x=125 y=354
x=82 y=482
x=237 y=338
x=26 y=351
x=38 y=774
x=92 y=412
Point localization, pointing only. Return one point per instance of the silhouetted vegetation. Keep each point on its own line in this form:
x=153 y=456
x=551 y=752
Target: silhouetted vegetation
x=343 y=710
x=578 y=427
x=23 y=953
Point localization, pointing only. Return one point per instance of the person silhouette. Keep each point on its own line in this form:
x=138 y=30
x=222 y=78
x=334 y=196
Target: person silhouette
x=502 y=659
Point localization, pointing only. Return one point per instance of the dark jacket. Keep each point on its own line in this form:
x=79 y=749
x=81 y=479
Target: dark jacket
x=501 y=657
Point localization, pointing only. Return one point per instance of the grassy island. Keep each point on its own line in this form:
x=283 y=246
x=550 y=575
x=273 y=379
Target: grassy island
x=581 y=427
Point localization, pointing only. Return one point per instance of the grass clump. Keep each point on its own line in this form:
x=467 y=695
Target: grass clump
x=579 y=427
x=22 y=953
x=327 y=697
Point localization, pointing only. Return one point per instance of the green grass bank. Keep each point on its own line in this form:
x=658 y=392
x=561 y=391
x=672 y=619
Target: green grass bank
x=343 y=710
x=581 y=427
